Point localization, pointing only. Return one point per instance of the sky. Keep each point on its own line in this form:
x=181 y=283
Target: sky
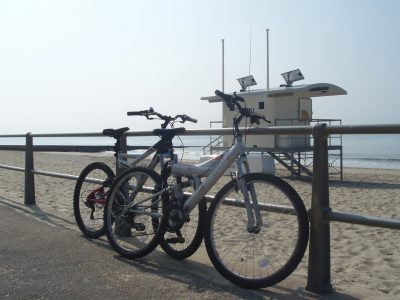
x=79 y=66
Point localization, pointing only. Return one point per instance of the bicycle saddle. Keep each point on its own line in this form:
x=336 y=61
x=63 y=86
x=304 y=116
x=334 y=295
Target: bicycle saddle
x=115 y=133
x=168 y=132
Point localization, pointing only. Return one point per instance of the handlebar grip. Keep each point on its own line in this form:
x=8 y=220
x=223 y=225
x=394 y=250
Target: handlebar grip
x=219 y=93
x=191 y=119
x=185 y=118
x=135 y=113
x=227 y=98
x=145 y=113
x=238 y=98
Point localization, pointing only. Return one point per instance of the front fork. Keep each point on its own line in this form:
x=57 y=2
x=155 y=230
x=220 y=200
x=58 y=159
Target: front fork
x=254 y=220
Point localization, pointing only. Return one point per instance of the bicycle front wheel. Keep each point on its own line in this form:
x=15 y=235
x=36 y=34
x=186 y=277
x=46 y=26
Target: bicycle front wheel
x=135 y=213
x=257 y=259
x=90 y=196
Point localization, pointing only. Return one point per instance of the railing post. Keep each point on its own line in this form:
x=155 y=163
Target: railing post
x=120 y=227
x=29 y=196
x=319 y=273
x=124 y=149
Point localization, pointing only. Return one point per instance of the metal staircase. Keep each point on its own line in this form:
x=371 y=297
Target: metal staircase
x=289 y=161
x=297 y=160
x=214 y=146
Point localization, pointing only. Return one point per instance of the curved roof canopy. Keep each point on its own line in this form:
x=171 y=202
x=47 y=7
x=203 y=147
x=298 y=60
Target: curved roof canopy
x=296 y=91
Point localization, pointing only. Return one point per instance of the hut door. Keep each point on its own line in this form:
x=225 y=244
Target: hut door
x=305 y=110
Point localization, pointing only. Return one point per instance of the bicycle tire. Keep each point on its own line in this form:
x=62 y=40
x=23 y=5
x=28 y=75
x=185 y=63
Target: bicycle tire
x=90 y=222
x=225 y=231
x=135 y=230
x=192 y=231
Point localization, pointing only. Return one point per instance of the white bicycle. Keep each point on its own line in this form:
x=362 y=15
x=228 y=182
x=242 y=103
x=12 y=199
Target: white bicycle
x=256 y=230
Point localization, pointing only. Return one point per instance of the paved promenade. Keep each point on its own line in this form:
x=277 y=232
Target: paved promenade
x=45 y=257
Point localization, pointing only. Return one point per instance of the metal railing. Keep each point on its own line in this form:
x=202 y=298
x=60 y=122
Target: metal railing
x=320 y=213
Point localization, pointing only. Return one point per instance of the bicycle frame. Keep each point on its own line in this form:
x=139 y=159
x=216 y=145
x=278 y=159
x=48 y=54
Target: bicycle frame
x=122 y=158
x=160 y=158
x=235 y=153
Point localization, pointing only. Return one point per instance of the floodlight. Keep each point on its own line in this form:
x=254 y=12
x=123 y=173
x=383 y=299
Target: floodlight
x=247 y=81
x=292 y=76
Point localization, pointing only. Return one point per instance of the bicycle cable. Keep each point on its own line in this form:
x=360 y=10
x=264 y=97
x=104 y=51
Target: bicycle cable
x=183 y=148
x=182 y=145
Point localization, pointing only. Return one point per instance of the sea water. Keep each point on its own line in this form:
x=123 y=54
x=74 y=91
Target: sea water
x=361 y=151
x=372 y=151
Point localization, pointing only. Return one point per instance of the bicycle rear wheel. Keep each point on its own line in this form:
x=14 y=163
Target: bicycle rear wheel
x=90 y=196
x=182 y=239
x=264 y=258
x=135 y=213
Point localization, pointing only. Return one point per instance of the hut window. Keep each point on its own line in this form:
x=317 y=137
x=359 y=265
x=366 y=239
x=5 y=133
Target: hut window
x=261 y=105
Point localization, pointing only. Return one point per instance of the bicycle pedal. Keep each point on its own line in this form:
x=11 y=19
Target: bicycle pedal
x=139 y=226
x=176 y=240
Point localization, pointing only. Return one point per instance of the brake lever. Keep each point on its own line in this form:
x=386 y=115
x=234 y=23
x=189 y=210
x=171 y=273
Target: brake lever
x=266 y=120
x=237 y=98
x=254 y=120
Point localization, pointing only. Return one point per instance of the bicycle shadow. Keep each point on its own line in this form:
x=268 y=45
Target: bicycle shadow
x=201 y=278
x=364 y=185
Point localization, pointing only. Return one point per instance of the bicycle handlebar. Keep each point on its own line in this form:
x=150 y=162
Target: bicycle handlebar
x=185 y=118
x=136 y=113
x=233 y=100
x=167 y=119
x=255 y=118
x=230 y=100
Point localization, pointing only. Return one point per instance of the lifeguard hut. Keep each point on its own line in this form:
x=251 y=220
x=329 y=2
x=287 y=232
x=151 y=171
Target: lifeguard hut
x=287 y=105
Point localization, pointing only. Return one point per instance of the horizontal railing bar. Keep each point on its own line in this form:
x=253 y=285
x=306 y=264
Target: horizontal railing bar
x=228 y=131
x=12 y=168
x=67 y=148
x=65 y=176
x=272 y=130
x=325 y=120
x=275 y=130
x=363 y=129
x=332 y=216
x=266 y=207
x=363 y=220
x=87 y=134
x=58 y=175
x=231 y=202
x=12 y=135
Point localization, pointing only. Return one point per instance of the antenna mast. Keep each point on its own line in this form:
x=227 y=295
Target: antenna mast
x=267 y=59
x=251 y=29
x=223 y=66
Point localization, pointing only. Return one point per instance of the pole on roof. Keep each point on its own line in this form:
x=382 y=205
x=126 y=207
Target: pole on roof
x=223 y=65
x=267 y=59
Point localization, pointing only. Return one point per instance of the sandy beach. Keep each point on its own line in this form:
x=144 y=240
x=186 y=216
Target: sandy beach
x=365 y=260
